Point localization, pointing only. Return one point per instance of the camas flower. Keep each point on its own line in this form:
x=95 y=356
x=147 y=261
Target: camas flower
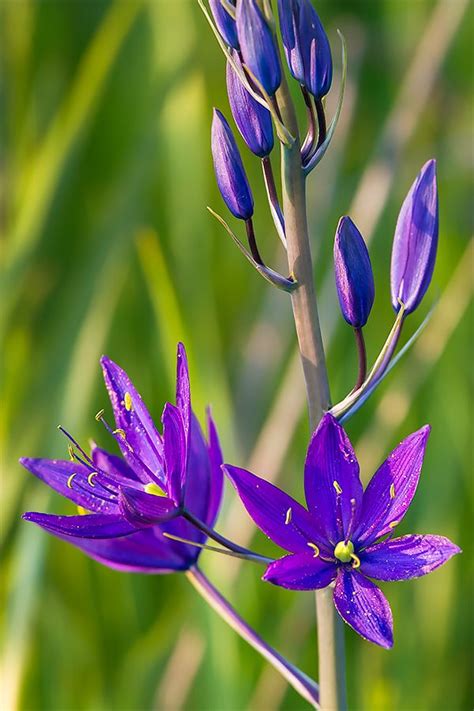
x=338 y=538
x=128 y=503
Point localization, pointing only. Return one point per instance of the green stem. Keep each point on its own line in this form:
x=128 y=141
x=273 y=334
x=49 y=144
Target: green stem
x=330 y=627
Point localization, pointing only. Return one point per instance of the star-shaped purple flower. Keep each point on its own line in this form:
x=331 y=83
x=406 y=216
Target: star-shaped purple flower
x=345 y=534
x=124 y=499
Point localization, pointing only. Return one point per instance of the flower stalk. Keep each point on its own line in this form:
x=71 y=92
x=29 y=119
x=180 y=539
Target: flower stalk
x=330 y=628
x=305 y=686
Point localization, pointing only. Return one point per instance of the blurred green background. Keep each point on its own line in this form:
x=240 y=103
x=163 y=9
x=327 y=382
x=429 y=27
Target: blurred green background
x=108 y=247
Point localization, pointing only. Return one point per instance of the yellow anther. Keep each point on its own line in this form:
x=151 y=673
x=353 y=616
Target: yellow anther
x=315 y=549
x=393 y=524
x=120 y=433
x=69 y=481
x=337 y=486
x=70 y=450
x=392 y=491
x=99 y=415
x=288 y=516
x=90 y=477
x=82 y=511
x=344 y=551
x=355 y=561
x=154 y=489
x=127 y=401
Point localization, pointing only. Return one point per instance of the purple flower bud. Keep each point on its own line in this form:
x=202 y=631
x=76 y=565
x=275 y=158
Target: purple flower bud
x=230 y=172
x=306 y=46
x=225 y=23
x=253 y=120
x=257 y=44
x=415 y=241
x=353 y=271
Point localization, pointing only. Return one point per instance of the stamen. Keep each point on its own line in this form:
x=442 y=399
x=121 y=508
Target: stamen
x=288 y=516
x=69 y=481
x=337 y=486
x=393 y=524
x=90 y=477
x=392 y=491
x=355 y=561
x=99 y=415
x=76 y=444
x=127 y=401
x=82 y=511
x=350 y=527
x=71 y=452
x=315 y=549
x=120 y=433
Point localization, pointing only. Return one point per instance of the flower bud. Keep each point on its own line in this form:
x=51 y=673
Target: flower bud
x=415 y=241
x=225 y=23
x=230 y=174
x=353 y=272
x=257 y=45
x=306 y=46
x=253 y=120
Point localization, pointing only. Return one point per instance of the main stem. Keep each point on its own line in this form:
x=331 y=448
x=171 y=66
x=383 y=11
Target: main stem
x=332 y=681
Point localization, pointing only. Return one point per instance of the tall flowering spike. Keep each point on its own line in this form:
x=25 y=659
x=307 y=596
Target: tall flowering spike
x=416 y=241
x=229 y=170
x=307 y=48
x=253 y=120
x=225 y=23
x=257 y=45
x=341 y=537
x=353 y=272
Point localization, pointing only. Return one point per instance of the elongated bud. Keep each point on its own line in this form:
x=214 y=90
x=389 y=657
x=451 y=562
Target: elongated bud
x=353 y=271
x=416 y=241
x=253 y=120
x=230 y=172
x=225 y=23
x=306 y=46
x=257 y=45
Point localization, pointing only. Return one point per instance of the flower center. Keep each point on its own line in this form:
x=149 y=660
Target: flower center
x=344 y=551
x=154 y=489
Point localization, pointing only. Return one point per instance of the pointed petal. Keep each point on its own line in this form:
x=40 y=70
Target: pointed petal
x=132 y=416
x=301 y=571
x=115 y=467
x=145 y=551
x=217 y=476
x=406 y=557
x=183 y=390
x=391 y=489
x=142 y=509
x=364 y=607
x=332 y=484
x=270 y=508
x=203 y=488
x=90 y=526
x=72 y=480
x=175 y=454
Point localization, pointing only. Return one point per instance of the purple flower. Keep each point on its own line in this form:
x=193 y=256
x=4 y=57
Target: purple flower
x=306 y=46
x=225 y=23
x=338 y=537
x=416 y=241
x=122 y=499
x=353 y=272
x=230 y=173
x=253 y=120
x=258 y=46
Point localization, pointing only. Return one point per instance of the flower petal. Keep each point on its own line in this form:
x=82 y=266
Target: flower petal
x=332 y=485
x=116 y=467
x=301 y=571
x=364 y=607
x=391 y=489
x=183 y=390
x=142 y=447
x=90 y=526
x=142 y=509
x=175 y=452
x=73 y=480
x=279 y=516
x=217 y=476
x=203 y=490
x=406 y=557
x=144 y=551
